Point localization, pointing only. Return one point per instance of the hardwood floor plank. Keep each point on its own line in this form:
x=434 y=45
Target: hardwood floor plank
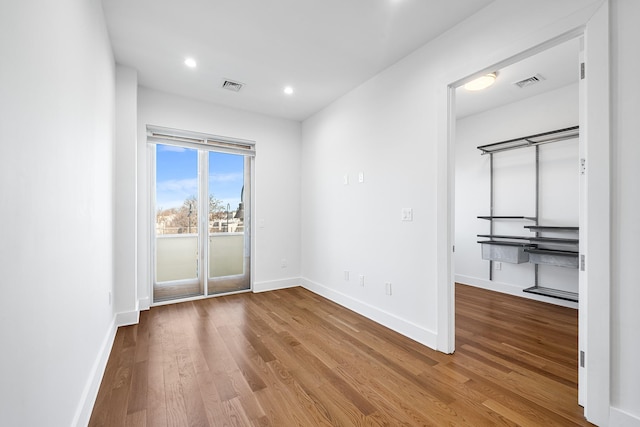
x=136 y=419
x=156 y=397
x=293 y=358
x=235 y=413
x=139 y=387
x=210 y=399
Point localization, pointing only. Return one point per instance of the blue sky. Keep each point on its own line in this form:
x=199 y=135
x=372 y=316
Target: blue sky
x=177 y=176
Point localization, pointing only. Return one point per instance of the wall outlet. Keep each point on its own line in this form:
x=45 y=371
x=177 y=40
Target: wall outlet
x=387 y=288
x=283 y=263
x=361 y=280
x=361 y=177
x=346 y=275
x=497 y=265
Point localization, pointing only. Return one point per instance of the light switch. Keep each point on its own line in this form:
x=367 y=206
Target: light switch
x=407 y=214
x=346 y=179
x=361 y=177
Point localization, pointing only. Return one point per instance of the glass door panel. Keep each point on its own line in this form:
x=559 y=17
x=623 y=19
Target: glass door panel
x=176 y=223
x=228 y=222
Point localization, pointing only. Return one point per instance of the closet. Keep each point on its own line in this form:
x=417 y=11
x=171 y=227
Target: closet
x=541 y=243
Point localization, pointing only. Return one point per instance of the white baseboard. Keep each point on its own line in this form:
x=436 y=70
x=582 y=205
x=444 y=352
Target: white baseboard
x=272 y=285
x=391 y=321
x=90 y=392
x=507 y=288
x=620 y=418
x=144 y=304
x=127 y=318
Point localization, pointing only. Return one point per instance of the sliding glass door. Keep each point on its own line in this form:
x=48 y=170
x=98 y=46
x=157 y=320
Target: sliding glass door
x=177 y=237
x=229 y=216
x=202 y=215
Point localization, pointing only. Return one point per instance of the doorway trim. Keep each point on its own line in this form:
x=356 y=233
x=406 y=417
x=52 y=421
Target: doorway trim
x=593 y=24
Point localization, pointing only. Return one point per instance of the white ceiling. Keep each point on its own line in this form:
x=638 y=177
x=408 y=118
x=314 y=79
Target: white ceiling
x=557 y=65
x=322 y=48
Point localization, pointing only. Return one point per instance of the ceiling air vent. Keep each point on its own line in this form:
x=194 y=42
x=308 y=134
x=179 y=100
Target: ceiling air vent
x=529 y=81
x=231 y=85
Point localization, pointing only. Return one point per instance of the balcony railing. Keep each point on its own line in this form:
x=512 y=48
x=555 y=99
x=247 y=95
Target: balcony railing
x=177 y=256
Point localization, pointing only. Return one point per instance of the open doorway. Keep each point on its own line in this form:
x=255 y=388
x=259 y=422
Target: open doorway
x=594 y=287
x=517 y=208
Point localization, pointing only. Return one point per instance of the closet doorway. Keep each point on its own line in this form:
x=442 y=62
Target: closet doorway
x=594 y=281
x=517 y=199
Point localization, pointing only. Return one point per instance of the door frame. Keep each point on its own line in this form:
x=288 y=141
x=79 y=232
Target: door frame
x=592 y=23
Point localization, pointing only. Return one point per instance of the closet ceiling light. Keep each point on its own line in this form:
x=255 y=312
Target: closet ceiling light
x=481 y=82
x=190 y=62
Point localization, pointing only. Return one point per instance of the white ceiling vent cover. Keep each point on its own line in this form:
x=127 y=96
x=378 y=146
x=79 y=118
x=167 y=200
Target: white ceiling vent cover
x=529 y=81
x=232 y=85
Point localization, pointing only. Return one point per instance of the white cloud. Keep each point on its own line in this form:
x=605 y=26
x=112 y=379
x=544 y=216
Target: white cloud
x=185 y=186
x=226 y=177
x=173 y=192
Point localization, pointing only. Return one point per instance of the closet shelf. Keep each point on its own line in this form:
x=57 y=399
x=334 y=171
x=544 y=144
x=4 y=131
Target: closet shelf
x=529 y=218
x=503 y=243
x=549 y=240
x=531 y=140
x=535 y=250
x=550 y=228
x=555 y=293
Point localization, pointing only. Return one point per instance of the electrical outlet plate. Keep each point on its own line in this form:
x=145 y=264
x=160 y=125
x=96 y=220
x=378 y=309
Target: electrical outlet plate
x=361 y=280
x=407 y=214
x=346 y=275
x=387 y=288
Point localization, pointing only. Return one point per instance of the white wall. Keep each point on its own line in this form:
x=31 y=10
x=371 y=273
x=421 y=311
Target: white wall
x=625 y=346
x=277 y=180
x=125 y=286
x=56 y=198
x=388 y=129
x=514 y=188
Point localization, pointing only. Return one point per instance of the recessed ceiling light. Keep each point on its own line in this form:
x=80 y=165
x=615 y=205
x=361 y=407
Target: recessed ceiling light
x=481 y=82
x=288 y=90
x=190 y=62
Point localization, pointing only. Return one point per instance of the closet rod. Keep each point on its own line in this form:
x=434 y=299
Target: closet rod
x=531 y=140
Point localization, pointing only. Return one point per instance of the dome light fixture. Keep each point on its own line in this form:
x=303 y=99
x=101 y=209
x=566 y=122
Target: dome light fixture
x=288 y=90
x=190 y=62
x=481 y=82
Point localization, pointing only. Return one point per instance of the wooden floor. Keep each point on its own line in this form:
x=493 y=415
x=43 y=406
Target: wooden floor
x=292 y=358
